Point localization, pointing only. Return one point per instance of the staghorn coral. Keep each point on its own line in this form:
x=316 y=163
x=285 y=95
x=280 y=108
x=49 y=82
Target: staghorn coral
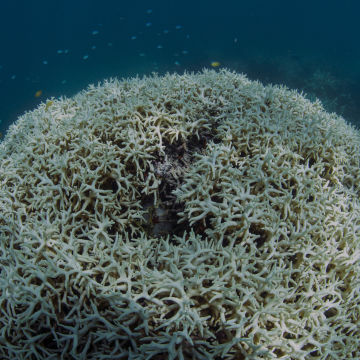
x=201 y=216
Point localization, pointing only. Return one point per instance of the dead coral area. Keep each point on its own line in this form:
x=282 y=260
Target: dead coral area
x=195 y=216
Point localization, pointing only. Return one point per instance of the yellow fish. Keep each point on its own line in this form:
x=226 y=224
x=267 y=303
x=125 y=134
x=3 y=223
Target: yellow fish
x=215 y=64
x=48 y=104
x=38 y=93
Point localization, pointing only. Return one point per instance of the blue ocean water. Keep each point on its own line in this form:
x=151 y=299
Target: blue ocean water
x=56 y=48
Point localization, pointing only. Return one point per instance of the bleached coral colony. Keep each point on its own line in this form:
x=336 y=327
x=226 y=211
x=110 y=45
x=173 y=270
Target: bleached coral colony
x=195 y=216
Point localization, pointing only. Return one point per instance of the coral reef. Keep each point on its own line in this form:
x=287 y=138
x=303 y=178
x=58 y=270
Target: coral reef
x=195 y=216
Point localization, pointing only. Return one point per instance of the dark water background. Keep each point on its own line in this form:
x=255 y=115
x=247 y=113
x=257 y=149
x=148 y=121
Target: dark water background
x=58 y=47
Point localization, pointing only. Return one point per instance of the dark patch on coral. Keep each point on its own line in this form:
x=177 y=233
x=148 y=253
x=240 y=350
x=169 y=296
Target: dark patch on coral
x=262 y=235
x=109 y=184
x=170 y=171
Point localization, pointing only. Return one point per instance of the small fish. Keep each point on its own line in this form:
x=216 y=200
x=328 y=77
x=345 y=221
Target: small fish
x=38 y=93
x=215 y=64
x=48 y=104
x=95 y=32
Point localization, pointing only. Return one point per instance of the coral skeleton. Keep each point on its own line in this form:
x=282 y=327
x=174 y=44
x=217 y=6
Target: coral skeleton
x=195 y=216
